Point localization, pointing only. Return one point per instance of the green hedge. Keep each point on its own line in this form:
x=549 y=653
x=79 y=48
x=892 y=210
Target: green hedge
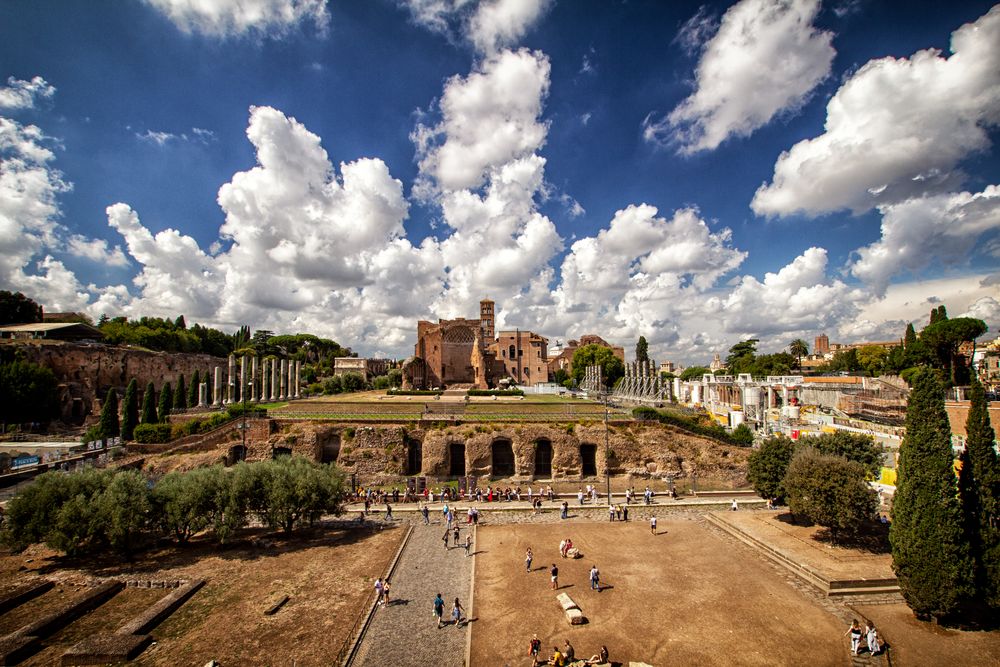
x=149 y=434
x=413 y=392
x=688 y=424
x=495 y=392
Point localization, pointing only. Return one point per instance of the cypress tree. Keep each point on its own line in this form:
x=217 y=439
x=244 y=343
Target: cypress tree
x=149 y=406
x=166 y=400
x=109 y=415
x=642 y=350
x=193 y=389
x=130 y=409
x=979 y=489
x=909 y=338
x=929 y=554
x=180 y=396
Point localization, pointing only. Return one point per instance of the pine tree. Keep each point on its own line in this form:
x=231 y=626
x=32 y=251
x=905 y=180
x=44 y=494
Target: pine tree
x=149 y=406
x=130 y=409
x=979 y=489
x=109 y=415
x=193 y=389
x=166 y=400
x=180 y=396
x=929 y=555
x=642 y=350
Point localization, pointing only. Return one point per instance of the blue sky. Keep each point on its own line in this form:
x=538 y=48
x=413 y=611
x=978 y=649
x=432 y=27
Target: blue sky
x=694 y=173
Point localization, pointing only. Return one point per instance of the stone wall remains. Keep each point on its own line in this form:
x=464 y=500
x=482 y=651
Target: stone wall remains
x=86 y=371
x=378 y=454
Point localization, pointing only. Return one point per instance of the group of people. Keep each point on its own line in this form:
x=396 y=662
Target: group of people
x=455 y=533
x=561 y=657
x=382 y=592
x=457 y=612
x=869 y=634
x=618 y=512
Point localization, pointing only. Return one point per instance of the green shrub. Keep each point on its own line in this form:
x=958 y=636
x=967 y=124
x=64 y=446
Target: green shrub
x=743 y=435
x=153 y=433
x=414 y=392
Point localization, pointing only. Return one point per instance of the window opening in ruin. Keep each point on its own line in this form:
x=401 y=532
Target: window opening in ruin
x=331 y=449
x=236 y=454
x=588 y=460
x=281 y=451
x=414 y=457
x=503 y=458
x=512 y=352
x=456 y=459
x=543 y=458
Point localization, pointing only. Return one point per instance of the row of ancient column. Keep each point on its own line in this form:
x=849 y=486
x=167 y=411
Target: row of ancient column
x=268 y=380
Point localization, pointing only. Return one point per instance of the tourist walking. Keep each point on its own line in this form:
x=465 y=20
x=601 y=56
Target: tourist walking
x=625 y=513
x=438 y=608
x=388 y=511
x=611 y=512
x=874 y=646
x=735 y=506
x=527 y=559
x=447 y=532
x=424 y=512
x=379 y=587
x=565 y=511
x=579 y=496
x=554 y=574
x=534 y=646
x=855 y=632
x=652 y=525
x=468 y=543
x=385 y=592
x=456 y=613
x=455 y=536
x=595 y=578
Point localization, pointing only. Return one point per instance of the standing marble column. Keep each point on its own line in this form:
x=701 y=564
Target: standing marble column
x=284 y=379
x=254 y=379
x=217 y=387
x=231 y=381
x=274 y=379
x=298 y=377
x=202 y=394
x=243 y=378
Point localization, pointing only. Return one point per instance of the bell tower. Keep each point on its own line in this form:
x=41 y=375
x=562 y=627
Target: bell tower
x=487 y=323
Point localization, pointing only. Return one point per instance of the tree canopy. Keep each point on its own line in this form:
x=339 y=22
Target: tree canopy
x=612 y=367
x=28 y=393
x=642 y=350
x=15 y=308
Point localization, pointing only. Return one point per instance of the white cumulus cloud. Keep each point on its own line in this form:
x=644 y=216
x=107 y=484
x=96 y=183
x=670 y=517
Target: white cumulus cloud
x=488 y=25
x=488 y=119
x=916 y=232
x=20 y=94
x=896 y=129
x=766 y=58
x=233 y=18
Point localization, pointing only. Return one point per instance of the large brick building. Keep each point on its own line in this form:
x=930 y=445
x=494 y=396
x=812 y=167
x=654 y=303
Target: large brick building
x=466 y=352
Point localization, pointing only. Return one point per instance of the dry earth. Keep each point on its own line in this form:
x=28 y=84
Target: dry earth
x=328 y=576
x=683 y=596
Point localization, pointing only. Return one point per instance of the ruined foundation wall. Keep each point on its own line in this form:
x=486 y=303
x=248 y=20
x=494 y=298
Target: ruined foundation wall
x=378 y=453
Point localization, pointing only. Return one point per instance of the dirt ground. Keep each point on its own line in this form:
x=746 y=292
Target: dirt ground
x=327 y=574
x=683 y=596
x=915 y=642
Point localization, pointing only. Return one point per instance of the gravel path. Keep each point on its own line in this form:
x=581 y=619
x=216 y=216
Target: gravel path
x=405 y=632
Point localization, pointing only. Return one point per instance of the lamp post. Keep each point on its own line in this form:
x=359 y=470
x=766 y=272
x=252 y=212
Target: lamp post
x=607 y=449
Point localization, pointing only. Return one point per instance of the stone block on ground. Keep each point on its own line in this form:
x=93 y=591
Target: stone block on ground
x=566 y=602
x=102 y=649
x=575 y=616
x=164 y=607
x=573 y=553
x=638 y=664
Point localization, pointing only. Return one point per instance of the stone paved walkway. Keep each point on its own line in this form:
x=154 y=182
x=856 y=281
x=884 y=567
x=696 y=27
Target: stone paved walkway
x=405 y=632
